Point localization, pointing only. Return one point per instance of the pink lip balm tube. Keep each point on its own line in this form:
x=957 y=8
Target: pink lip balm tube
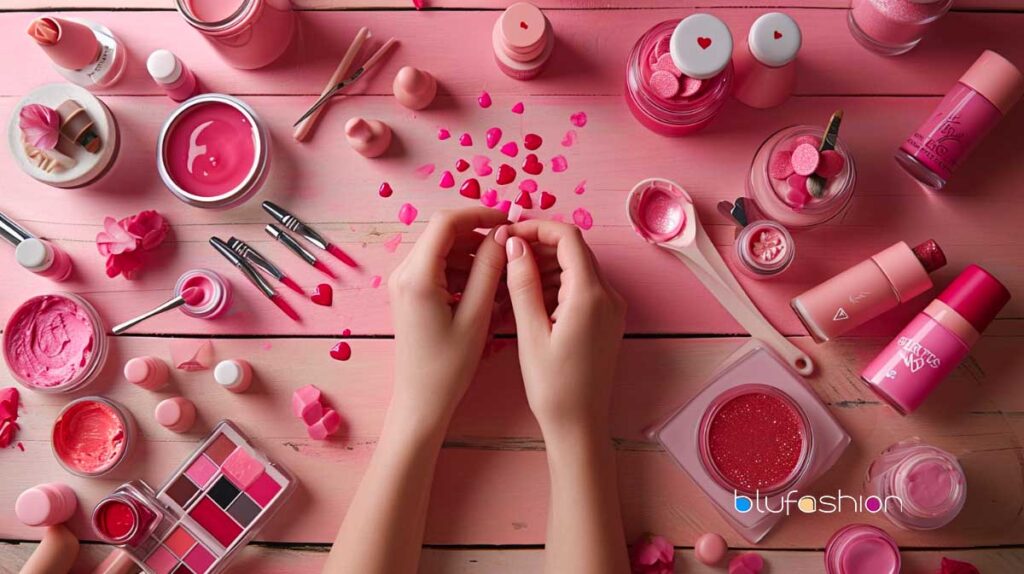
x=46 y=504
x=765 y=67
x=172 y=75
x=971 y=108
x=934 y=342
x=43 y=258
x=868 y=289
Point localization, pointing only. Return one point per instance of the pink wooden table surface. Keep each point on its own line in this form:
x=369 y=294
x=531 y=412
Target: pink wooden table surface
x=490 y=497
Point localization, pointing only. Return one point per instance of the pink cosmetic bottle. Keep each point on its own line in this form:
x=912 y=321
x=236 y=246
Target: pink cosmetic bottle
x=84 y=52
x=934 y=342
x=971 y=108
x=43 y=258
x=921 y=487
x=765 y=66
x=170 y=74
x=523 y=41
x=248 y=34
x=868 y=289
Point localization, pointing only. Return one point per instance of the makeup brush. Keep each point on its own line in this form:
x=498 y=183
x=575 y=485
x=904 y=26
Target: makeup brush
x=306 y=126
x=189 y=296
x=294 y=246
x=372 y=61
x=816 y=183
x=259 y=260
x=292 y=223
x=255 y=278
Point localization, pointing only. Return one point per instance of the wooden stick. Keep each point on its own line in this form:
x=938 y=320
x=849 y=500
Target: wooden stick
x=303 y=130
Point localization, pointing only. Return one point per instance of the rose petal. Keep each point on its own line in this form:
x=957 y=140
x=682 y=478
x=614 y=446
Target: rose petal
x=40 y=125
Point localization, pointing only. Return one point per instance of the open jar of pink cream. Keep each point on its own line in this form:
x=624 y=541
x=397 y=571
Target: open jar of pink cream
x=786 y=166
x=919 y=486
x=55 y=343
x=92 y=436
x=893 y=27
x=213 y=152
x=862 y=549
x=679 y=74
x=764 y=249
x=216 y=292
x=248 y=34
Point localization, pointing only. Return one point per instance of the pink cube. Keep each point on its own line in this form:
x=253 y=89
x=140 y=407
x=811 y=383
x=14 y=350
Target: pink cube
x=326 y=426
x=303 y=397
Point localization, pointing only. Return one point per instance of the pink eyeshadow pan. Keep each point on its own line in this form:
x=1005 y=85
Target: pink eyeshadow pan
x=161 y=561
x=199 y=560
x=263 y=489
x=242 y=468
x=201 y=471
x=219 y=450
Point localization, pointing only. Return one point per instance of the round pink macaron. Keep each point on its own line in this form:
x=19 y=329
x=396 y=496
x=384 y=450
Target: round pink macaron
x=177 y=414
x=805 y=159
x=710 y=548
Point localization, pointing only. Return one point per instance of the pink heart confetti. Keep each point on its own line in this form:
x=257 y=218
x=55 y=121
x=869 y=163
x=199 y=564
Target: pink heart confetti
x=748 y=563
x=582 y=218
x=579 y=119
x=341 y=351
x=546 y=200
x=518 y=108
x=580 y=188
x=532 y=141
x=523 y=200
x=559 y=164
x=489 y=198
x=492 y=137
x=443 y=134
x=506 y=174
x=376 y=281
x=323 y=295
x=407 y=213
x=570 y=138
x=528 y=185
x=511 y=149
x=505 y=205
x=424 y=171
x=466 y=140
x=391 y=245
x=447 y=180
x=484 y=100
x=385 y=190
x=482 y=165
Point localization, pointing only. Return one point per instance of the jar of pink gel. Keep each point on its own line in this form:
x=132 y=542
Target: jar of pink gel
x=893 y=27
x=248 y=34
x=92 y=436
x=216 y=292
x=679 y=74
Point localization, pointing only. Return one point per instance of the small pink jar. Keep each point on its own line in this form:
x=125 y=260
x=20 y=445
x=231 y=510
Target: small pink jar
x=216 y=293
x=523 y=41
x=893 y=27
x=764 y=249
x=248 y=34
x=766 y=64
x=862 y=548
x=922 y=487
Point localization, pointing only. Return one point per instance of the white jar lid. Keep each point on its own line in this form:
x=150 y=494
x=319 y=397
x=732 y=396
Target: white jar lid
x=227 y=373
x=701 y=46
x=774 y=39
x=163 y=66
x=32 y=254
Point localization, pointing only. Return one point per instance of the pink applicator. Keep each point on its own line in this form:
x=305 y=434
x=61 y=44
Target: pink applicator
x=254 y=277
x=292 y=223
x=290 y=242
x=260 y=261
x=663 y=213
x=189 y=296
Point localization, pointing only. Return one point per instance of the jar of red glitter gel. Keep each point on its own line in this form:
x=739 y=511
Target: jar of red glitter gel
x=893 y=27
x=779 y=173
x=764 y=249
x=523 y=40
x=679 y=74
x=216 y=291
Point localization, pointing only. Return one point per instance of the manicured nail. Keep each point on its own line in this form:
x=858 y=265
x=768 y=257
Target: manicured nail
x=515 y=248
x=501 y=234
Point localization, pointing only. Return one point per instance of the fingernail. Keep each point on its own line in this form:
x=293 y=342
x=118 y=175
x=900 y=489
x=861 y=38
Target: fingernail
x=515 y=248
x=501 y=235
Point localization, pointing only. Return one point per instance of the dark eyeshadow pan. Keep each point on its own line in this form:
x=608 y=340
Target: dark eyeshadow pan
x=182 y=491
x=223 y=492
x=244 y=510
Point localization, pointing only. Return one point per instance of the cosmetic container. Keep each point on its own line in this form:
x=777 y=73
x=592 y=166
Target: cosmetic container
x=92 y=436
x=523 y=40
x=888 y=279
x=764 y=249
x=84 y=52
x=171 y=74
x=176 y=414
x=971 y=108
x=148 y=373
x=234 y=375
x=68 y=357
x=893 y=27
x=46 y=504
x=753 y=438
x=248 y=34
x=217 y=294
x=235 y=159
x=765 y=65
x=921 y=487
x=43 y=258
x=772 y=196
x=934 y=342
x=862 y=549
x=679 y=74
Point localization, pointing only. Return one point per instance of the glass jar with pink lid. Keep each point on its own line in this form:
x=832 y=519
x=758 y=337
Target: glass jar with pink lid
x=248 y=34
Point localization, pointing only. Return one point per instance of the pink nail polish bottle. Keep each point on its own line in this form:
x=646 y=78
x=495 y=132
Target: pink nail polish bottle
x=171 y=74
x=893 y=27
x=43 y=258
x=921 y=487
x=765 y=66
x=868 y=289
x=523 y=41
x=971 y=108
x=934 y=342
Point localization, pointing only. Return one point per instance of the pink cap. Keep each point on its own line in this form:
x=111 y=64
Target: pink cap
x=147 y=372
x=523 y=31
x=69 y=44
x=976 y=295
x=177 y=414
x=996 y=78
x=906 y=271
x=46 y=504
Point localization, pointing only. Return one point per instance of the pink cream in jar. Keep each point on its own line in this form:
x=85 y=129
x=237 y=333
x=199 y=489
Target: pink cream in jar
x=764 y=249
x=92 y=436
x=248 y=34
x=213 y=152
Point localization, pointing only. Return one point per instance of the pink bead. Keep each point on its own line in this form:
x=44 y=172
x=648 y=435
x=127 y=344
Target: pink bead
x=710 y=548
x=805 y=159
x=511 y=149
x=466 y=140
x=518 y=108
x=492 y=137
x=447 y=180
x=326 y=426
x=489 y=198
x=831 y=164
x=781 y=165
x=664 y=84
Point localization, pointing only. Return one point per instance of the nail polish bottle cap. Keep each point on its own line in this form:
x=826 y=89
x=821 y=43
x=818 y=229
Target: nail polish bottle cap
x=774 y=39
x=163 y=66
x=996 y=78
x=977 y=296
x=701 y=46
x=33 y=254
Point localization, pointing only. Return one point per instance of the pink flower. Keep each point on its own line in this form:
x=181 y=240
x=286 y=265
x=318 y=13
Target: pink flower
x=652 y=555
x=40 y=125
x=950 y=566
x=149 y=226
x=122 y=242
x=114 y=239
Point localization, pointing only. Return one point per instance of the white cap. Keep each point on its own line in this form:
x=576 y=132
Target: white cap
x=228 y=373
x=774 y=39
x=33 y=254
x=163 y=66
x=701 y=46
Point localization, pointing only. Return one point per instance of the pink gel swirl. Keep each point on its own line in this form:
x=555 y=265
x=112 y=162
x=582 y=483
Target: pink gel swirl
x=49 y=341
x=89 y=436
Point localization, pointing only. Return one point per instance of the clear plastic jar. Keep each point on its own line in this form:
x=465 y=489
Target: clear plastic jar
x=893 y=27
x=770 y=194
x=78 y=439
x=926 y=485
x=216 y=293
x=252 y=36
x=862 y=548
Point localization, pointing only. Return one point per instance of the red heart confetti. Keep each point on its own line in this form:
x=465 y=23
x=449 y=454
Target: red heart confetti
x=523 y=200
x=385 y=190
x=506 y=174
x=341 y=351
x=470 y=188
x=546 y=200
x=778 y=34
x=532 y=165
x=532 y=141
x=461 y=165
x=324 y=295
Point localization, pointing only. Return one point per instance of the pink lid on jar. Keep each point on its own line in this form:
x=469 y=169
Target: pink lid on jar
x=523 y=30
x=176 y=414
x=977 y=296
x=906 y=270
x=46 y=504
x=996 y=78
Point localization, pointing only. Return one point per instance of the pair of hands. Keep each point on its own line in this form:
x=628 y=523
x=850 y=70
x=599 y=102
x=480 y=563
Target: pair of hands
x=569 y=320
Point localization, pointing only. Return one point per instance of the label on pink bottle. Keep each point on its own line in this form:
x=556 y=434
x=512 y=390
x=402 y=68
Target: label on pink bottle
x=956 y=126
x=915 y=362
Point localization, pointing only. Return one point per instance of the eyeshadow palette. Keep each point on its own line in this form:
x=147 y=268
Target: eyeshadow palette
x=210 y=507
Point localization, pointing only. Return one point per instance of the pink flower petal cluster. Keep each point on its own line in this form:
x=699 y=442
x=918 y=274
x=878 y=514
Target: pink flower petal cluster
x=40 y=125
x=652 y=555
x=124 y=241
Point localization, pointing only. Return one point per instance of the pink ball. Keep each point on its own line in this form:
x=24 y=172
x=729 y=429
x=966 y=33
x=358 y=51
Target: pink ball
x=710 y=548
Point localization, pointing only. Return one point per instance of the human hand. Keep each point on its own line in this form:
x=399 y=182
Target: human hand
x=442 y=296
x=567 y=355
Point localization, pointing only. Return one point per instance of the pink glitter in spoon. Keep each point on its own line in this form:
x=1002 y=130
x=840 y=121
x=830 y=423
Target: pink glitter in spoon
x=518 y=108
x=570 y=138
x=528 y=185
x=484 y=100
x=582 y=218
x=546 y=200
x=385 y=190
x=511 y=149
x=559 y=164
x=447 y=180
x=492 y=137
x=532 y=141
x=482 y=165
x=579 y=119
x=466 y=140
x=407 y=213
x=580 y=188
x=443 y=134
x=424 y=171
x=489 y=198
x=391 y=245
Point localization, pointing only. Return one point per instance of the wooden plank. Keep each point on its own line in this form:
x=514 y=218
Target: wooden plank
x=335 y=189
x=592 y=48
x=491 y=486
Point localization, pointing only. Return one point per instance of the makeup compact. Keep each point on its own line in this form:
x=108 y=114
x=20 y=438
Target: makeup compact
x=208 y=510
x=753 y=438
x=213 y=152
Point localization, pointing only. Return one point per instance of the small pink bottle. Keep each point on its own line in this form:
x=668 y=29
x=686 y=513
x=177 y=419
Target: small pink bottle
x=170 y=74
x=934 y=343
x=765 y=66
x=46 y=504
x=868 y=289
x=248 y=34
x=984 y=94
x=523 y=41
x=43 y=258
